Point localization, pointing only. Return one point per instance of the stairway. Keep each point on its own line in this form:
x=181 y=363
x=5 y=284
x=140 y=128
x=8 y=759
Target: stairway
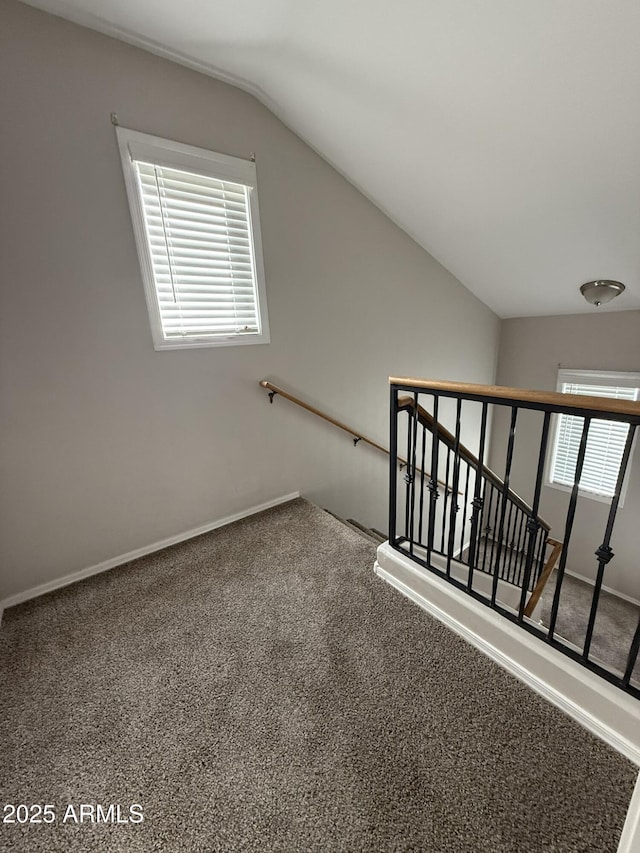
x=368 y=532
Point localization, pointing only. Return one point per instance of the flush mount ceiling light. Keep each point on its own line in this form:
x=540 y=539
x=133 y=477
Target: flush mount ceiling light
x=601 y=292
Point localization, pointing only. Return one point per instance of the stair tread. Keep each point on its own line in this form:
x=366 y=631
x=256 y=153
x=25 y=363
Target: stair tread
x=359 y=528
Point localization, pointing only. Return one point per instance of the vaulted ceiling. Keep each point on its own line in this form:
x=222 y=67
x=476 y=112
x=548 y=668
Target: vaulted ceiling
x=503 y=136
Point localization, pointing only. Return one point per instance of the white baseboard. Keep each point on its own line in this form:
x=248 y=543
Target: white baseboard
x=605 y=710
x=456 y=554
x=610 y=589
x=58 y=583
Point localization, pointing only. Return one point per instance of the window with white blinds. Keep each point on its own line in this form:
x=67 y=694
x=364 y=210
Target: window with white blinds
x=605 y=441
x=195 y=216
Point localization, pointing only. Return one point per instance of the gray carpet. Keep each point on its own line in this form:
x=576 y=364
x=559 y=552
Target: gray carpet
x=260 y=689
x=615 y=625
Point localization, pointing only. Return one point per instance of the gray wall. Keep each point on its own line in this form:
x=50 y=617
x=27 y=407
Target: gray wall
x=531 y=352
x=108 y=445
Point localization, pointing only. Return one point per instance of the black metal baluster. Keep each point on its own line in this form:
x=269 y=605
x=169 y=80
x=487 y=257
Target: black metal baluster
x=533 y=525
x=479 y=533
x=445 y=503
x=537 y=564
x=454 y=487
x=507 y=545
x=542 y=550
x=514 y=562
x=519 y=561
x=633 y=656
x=487 y=528
x=479 y=490
x=433 y=481
x=422 y=460
x=505 y=494
x=494 y=529
x=407 y=480
x=507 y=553
x=518 y=569
x=571 y=512
x=393 y=463
x=465 y=504
x=604 y=552
x=412 y=472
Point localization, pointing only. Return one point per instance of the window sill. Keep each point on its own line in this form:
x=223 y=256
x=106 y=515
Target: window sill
x=584 y=493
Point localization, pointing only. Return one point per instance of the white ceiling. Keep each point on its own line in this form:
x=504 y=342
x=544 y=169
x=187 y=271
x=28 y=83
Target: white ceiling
x=503 y=136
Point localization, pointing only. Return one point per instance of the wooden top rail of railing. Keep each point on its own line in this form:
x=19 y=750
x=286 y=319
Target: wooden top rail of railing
x=604 y=406
x=357 y=436
x=427 y=420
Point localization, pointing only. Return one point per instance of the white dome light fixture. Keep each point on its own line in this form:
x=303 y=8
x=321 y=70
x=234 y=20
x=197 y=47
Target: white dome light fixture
x=600 y=292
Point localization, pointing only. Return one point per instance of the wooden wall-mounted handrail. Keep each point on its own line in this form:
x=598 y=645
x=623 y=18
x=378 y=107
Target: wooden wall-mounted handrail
x=426 y=419
x=356 y=436
x=628 y=409
x=274 y=389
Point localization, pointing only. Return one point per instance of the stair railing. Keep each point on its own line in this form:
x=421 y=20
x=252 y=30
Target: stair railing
x=493 y=544
x=481 y=552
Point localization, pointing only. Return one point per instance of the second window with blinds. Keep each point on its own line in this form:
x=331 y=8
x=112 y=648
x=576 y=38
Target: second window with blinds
x=196 y=223
x=606 y=439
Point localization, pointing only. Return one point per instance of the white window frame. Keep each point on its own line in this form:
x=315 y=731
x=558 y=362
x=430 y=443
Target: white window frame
x=143 y=147
x=589 y=377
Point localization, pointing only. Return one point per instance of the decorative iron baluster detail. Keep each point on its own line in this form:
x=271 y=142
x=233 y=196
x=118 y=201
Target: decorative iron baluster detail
x=604 y=552
x=477 y=506
x=571 y=512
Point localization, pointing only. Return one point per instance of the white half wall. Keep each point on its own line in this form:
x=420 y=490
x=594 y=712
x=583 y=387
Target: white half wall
x=605 y=710
x=630 y=838
x=107 y=445
x=601 y=708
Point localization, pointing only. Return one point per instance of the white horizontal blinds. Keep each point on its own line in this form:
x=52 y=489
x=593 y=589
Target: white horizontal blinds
x=605 y=443
x=199 y=235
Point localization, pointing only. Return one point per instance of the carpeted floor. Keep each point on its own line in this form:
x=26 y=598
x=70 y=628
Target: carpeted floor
x=614 y=628
x=260 y=689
